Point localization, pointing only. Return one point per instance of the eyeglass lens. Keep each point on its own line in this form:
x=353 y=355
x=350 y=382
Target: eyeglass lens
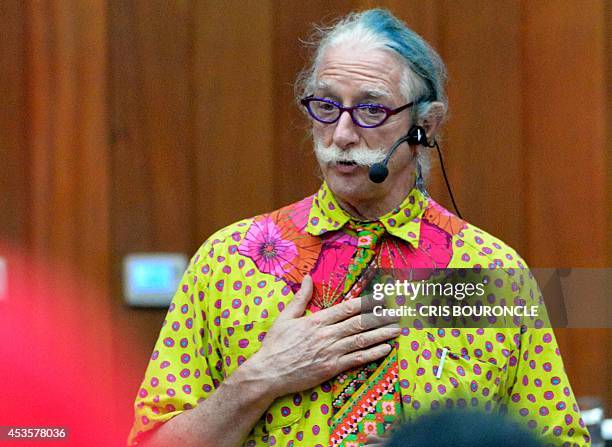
x=364 y=114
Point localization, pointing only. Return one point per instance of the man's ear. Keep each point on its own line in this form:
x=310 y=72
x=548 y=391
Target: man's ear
x=432 y=119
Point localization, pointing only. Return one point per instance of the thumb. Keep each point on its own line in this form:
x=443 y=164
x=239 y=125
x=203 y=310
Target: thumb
x=297 y=306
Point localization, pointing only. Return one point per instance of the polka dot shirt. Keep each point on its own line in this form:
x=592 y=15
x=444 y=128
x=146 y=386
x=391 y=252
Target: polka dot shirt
x=244 y=275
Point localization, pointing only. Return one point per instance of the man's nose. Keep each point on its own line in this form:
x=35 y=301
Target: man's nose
x=346 y=133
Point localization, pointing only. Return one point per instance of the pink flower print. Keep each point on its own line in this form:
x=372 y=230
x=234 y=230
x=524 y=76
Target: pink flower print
x=329 y=273
x=300 y=211
x=265 y=245
x=369 y=427
x=388 y=408
x=365 y=241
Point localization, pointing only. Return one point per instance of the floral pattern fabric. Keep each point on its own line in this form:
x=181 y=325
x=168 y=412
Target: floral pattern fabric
x=244 y=275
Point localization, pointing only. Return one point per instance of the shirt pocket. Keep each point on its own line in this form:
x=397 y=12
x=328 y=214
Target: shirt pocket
x=446 y=380
x=238 y=344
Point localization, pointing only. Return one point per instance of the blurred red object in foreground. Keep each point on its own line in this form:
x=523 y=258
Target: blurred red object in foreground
x=55 y=354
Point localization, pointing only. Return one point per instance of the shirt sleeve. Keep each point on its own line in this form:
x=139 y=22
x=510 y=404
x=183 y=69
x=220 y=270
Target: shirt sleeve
x=184 y=368
x=541 y=396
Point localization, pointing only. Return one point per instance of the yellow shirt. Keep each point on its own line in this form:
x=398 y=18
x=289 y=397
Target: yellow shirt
x=245 y=274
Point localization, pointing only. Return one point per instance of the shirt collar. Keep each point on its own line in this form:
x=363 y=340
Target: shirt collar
x=403 y=222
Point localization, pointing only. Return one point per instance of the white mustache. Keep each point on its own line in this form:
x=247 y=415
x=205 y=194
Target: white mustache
x=361 y=156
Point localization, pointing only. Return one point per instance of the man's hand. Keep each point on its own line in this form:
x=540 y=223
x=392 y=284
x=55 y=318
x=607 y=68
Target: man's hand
x=300 y=352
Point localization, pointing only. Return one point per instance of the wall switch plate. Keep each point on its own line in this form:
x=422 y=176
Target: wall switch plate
x=151 y=279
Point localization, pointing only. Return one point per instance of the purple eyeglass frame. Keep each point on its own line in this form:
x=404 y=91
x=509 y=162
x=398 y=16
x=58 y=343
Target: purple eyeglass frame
x=388 y=112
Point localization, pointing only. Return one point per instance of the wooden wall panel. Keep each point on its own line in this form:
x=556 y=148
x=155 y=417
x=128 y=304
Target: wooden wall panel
x=233 y=164
x=608 y=120
x=66 y=134
x=13 y=183
x=151 y=125
x=586 y=354
x=564 y=125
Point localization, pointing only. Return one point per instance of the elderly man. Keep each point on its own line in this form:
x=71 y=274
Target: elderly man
x=264 y=343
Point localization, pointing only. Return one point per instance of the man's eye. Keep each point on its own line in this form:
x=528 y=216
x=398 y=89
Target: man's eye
x=374 y=110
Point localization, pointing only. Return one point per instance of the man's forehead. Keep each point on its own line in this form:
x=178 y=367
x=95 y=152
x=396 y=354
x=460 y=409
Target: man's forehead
x=365 y=90
x=370 y=72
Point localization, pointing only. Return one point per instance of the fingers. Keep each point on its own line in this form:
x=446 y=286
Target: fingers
x=368 y=302
x=361 y=323
x=358 y=358
x=297 y=306
x=364 y=340
x=339 y=312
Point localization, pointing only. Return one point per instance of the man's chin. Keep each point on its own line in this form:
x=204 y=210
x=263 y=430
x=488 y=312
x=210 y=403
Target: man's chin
x=348 y=181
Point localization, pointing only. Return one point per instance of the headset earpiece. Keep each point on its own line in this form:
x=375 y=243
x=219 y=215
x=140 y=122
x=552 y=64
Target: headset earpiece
x=417 y=136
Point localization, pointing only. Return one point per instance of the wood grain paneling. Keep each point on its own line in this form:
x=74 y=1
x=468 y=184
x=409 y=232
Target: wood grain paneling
x=564 y=126
x=608 y=128
x=151 y=125
x=13 y=169
x=233 y=164
x=67 y=134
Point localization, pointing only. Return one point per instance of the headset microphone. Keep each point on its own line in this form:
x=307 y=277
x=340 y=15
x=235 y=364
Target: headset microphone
x=416 y=136
x=379 y=171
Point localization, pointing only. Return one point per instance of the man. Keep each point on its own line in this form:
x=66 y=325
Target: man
x=264 y=343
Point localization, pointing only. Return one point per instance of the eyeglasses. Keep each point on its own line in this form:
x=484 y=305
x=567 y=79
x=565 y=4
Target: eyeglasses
x=364 y=115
